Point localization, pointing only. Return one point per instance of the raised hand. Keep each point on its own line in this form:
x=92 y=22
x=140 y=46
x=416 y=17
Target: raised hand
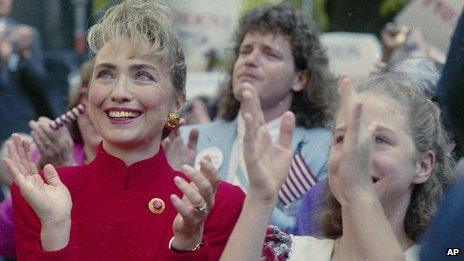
x=50 y=199
x=23 y=36
x=392 y=37
x=195 y=205
x=177 y=152
x=55 y=146
x=351 y=175
x=267 y=163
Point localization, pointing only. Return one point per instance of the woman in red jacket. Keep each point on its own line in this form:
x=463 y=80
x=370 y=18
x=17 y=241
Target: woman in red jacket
x=128 y=203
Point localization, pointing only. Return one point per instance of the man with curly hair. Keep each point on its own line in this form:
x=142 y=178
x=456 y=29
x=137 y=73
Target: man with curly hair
x=277 y=52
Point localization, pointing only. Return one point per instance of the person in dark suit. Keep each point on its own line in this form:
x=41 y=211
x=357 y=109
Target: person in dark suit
x=22 y=74
x=447 y=230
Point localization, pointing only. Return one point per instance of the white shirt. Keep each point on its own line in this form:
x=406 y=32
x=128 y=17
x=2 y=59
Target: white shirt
x=317 y=249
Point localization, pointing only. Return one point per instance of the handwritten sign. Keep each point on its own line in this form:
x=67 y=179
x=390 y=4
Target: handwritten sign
x=437 y=19
x=351 y=53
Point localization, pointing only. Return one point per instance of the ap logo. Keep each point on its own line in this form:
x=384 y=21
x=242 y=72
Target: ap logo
x=453 y=252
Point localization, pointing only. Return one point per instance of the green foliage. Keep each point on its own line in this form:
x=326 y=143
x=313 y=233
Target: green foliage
x=250 y=4
x=97 y=5
x=320 y=15
x=391 y=7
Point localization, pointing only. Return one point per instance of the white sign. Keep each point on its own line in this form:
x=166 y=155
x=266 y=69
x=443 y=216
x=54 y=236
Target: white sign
x=203 y=84
x=437 y=19
x=354 y=54
x=205 y=28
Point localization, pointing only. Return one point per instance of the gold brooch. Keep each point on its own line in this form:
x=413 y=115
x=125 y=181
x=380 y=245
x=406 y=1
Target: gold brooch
x=156 y=205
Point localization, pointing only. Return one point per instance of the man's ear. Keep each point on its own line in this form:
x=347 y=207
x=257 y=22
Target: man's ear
x=301 y=80
x=424 y=167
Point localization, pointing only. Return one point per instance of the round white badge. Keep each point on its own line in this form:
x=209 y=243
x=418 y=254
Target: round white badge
x=214 y=153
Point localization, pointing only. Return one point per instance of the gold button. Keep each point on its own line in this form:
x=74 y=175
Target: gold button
x=156 y=205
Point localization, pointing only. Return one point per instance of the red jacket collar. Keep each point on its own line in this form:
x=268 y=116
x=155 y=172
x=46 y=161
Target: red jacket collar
x=141 y=175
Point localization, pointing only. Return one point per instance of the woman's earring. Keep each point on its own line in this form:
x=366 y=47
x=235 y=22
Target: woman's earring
x=173 y=120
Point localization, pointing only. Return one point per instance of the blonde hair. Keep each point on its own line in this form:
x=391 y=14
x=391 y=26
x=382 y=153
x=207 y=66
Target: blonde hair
x=427 y=133
x=143 y=21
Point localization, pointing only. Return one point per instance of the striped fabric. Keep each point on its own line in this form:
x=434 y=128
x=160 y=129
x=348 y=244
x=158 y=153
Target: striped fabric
x=299 y=180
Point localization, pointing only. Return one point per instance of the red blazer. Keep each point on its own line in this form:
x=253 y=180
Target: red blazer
x=111 y=219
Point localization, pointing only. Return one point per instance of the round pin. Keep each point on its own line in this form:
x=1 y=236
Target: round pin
x=214 y=153
x=156 y=205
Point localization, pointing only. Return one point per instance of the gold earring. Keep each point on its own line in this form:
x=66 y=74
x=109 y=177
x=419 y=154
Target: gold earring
x=173 y=120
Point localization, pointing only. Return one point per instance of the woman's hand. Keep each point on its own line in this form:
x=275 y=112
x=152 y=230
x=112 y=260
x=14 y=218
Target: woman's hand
x=50 y=200
x=267 y=163
x=195 y=205
x=352 y=176
x=55 y=146
x=177 y=152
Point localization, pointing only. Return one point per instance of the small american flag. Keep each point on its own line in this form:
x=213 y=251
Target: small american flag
x=299 y=181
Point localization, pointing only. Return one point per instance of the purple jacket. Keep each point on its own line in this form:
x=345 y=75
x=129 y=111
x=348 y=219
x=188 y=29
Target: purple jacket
x=7 y=245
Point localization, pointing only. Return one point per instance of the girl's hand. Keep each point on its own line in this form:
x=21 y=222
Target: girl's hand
x=352 y=172
x=267 y=163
